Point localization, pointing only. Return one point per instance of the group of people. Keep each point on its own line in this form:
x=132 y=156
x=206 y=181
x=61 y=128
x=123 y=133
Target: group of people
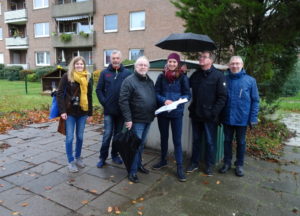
x=129 y=101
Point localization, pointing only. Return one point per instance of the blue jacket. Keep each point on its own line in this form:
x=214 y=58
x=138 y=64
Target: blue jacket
x=108 y=89
x=242 y=104
x=180 y=88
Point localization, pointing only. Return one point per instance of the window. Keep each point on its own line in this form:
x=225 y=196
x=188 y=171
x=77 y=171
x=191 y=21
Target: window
x=0 y=9
x=1 y=34
x=42 y=58
x=87 y=55
x=40 y=4
x=107 y=54
x=111 y=23
x=137 y=20
x=135 y=53
x=41 y=29
x=1 y=58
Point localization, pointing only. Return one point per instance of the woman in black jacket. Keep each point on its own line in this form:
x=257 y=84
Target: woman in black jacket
x=74 y=98
x=138 y=103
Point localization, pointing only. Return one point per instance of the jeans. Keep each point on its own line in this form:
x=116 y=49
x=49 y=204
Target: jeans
x=209 y=129
x=176 y=126
x=70 y=127
x=112 y=126
x=141 y=130
x=240 y=135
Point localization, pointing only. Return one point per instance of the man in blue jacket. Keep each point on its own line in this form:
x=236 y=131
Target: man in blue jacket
x=241 y=110
x=208 y=99
x=108 y=91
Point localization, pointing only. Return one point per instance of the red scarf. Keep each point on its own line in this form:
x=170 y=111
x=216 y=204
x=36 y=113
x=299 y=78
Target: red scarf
x=171 y=76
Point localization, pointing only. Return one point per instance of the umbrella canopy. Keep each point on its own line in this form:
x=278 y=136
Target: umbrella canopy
x=187 y=42
x=127 y=144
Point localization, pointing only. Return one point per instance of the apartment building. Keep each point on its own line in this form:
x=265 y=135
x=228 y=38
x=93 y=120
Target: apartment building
x=37 y=33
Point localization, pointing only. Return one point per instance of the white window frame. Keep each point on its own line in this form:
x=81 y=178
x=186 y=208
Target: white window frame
x=104 y=57
x=130 y=23
x=113 y=30
x=130 y=58
x=45 y=26
x=45 y=58
x=0 y=8
x=43 y=3
x=1 y=58
x=1 y=33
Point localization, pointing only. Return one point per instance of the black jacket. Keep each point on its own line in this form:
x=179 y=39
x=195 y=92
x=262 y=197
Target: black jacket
x=209 y=94
x=64 y=99
x=108 y=88
x=137 y=99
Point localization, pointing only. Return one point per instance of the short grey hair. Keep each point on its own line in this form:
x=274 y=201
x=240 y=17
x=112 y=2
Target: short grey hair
x=116 y=52
x=212 y=55
x=236 y=57
x=140 y=59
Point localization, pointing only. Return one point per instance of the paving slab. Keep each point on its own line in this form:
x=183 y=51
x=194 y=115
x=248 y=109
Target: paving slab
x=14 y=167
x=5 y=211
x=27 y=154
x=22 y=178
x=43 y=157
x=91 y=183
x=45 y=168
x=4 y=185
x=10 y=198
x=6 y=136
x=111 y=173
x=69 y=196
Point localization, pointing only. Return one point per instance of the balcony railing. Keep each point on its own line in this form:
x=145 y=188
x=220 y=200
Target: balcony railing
x=76 y=40
x=16 y=16
x=73 y=9
x=16 y=43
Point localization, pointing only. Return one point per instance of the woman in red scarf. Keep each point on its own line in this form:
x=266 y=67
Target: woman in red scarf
x=171 y=85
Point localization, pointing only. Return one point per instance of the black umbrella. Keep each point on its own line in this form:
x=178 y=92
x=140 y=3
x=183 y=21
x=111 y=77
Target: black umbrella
x=187 y=42
x=127 y=143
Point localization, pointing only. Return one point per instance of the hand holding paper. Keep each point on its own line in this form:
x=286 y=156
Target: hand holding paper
x=171 y=106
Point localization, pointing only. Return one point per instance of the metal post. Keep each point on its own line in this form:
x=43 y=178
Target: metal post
x=26 y=83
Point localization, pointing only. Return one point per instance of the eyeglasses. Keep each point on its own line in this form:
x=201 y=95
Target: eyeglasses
x=142 y=65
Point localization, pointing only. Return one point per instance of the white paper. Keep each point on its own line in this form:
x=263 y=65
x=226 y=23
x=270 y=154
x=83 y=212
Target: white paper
x=171 y=106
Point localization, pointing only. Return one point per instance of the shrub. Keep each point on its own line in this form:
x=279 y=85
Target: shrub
x=32 y=77
x=65 y=37
x=96 y=75
x=12 y=72
x=1 y=71
x=83 y=34
x=127 y=62
x=23 y=73
x=41 y=71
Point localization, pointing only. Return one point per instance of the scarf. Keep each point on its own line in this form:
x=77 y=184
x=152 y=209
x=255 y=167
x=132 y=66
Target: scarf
x=81 y=78
x=171 y=76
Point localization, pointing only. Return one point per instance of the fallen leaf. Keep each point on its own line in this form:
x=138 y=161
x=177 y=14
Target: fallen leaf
x=141 y=199
x=109 y=209
x=205 y=182
x=130 y=182
x=1 y=201
x=133 y=201
x=1 y=185
x=47 y=187
x=218 y=182
x=15 y=213
x=24 y=204
x=117 y=211
x=141 y=208
x=140 y=213
x=84 y=202
x=94 y=191
x=112 y=176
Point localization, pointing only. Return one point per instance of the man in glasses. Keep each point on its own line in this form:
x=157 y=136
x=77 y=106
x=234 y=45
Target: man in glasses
x=208 y=99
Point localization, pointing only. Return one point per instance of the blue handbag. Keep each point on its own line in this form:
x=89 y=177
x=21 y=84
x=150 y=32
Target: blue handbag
x=54 y=111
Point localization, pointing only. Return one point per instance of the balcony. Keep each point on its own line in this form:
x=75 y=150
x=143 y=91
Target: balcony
x=73 y=9
x=16 y=16
x=77 y=40
x=16 y=43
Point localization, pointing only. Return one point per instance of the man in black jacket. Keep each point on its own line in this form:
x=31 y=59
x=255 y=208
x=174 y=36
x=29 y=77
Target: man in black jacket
x=108 y=91
x=208 y=99
x=138 y=103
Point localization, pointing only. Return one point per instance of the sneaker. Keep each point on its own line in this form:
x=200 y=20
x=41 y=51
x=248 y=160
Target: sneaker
x=239 y=171
x=208 y=171
x=72 y=167
x=191 y=168
x=79 y=163
x=159 y=165
x=224 y=168
x=180 y=173
x=117 y=160
x=101 y=163
x=133 y=178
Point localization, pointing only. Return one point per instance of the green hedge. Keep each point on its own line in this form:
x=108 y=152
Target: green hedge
x=11 y=73
x=41 y=71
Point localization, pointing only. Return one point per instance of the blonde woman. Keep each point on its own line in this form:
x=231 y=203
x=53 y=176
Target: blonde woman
x=74 y=98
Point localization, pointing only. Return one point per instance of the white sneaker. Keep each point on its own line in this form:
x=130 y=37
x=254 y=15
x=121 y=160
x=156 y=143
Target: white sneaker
x=79 y=163
x=72 y=167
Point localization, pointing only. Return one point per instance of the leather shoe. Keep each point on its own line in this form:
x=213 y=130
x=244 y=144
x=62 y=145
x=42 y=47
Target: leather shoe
x=142 y=169
x=224 y=168
x=133 y=178
x=239 y=171
x=208 y=171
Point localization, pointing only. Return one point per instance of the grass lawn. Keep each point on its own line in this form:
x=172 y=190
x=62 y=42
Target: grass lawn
x=14 y=98
x=290 y=103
